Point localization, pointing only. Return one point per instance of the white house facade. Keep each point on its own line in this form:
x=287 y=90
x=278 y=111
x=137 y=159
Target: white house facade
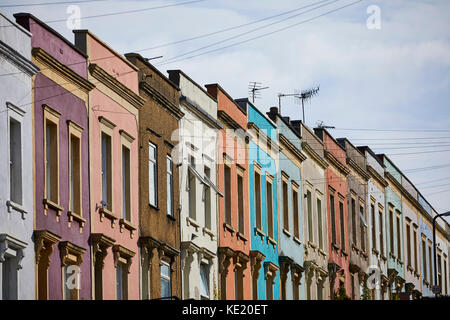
x=16 y=169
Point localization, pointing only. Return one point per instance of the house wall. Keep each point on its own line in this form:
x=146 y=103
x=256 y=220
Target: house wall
x=16 y=90
x=236 y=158
x=376 y=196
x=57 y=92
x=259 y=154
x=314 y=180
x=106 y=103
x=199 y=139
x=290 y=246
x=158 y=125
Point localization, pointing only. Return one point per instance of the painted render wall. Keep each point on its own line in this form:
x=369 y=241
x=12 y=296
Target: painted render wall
x=376 y=196
x=357 y=190
x=288 y=246
x=314 y=180
x=15 y=103
x=198 y=243
x=259 y=242
x=337 y=180
x=53 y=91
x=393 y=198
x=106 y=103
x=236 y=150
x=411 y=214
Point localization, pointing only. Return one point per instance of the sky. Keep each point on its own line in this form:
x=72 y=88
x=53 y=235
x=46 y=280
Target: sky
x=394 y=79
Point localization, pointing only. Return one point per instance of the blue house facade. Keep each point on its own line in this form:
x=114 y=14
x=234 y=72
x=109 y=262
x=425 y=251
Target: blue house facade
x=426 y=251
x=263 y=204
x=290 y=227
x=394 y=227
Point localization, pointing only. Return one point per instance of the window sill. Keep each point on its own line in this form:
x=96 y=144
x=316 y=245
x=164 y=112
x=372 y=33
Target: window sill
x=335 y=246
x=296 y=239
x=271 y=240
x=171 y=217
x=312 y=245
x=50 y=204
x=73 y=216
x=375 y=251
x=109 y=215
x=322 y=252
x=241 y=236
x=17 y=207
x=383 y=258
x=259 y=232
x=410 y=268
x=354 y=247
x=286 y=232
x=192 y=222
x=123 y=223
x=228 y=227
x=344 y=253
x=153 y=206
x=208 y=232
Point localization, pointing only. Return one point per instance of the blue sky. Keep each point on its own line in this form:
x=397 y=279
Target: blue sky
x=397 y=77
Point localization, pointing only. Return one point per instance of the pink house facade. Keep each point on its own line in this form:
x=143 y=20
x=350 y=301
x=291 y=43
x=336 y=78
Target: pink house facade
x=113 y=123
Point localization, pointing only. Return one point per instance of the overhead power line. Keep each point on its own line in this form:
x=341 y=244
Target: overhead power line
x=265 y=34
x=123 y=12
x=317 y=5
x=221 y=30
x=47 y=3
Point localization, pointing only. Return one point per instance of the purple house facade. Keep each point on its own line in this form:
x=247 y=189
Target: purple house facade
x=61 y=168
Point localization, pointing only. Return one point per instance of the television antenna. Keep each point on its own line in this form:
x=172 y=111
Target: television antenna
x=321 y=125
x=306 y=95
x=254 y=88
x=281 y=95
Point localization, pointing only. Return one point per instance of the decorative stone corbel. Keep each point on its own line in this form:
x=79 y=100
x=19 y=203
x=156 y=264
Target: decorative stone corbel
x=67 y=248
x=100 y=244
x=256 y=258
x=8 y=242
x=120 y=252
x=43 y=243
x=225 y=255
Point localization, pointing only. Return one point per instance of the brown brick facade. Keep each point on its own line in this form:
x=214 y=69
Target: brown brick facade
x=159 y=231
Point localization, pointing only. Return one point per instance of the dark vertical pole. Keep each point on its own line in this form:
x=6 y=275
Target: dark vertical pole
x=279 y=104
x=303 y=109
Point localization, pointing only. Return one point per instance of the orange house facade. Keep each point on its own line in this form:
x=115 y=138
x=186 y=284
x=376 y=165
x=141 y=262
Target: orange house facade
x=234 y=245
x=336 y=189
x=113 y=123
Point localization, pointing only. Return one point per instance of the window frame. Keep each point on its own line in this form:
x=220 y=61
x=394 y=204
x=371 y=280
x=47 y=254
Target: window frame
x=126 y=141
x=258 y=198
x=166 y=278
x=169 y=188
x=15 y=114
x=332 y=199
x=241 y=202
x=153 y=146
x=107 y=129
x=285 y=199
x=51 y=116
x=269 y=204
x=76 y=131
x=296 y=209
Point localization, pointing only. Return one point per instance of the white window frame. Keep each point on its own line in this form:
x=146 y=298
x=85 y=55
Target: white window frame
x=166 y=278
x=153 y=161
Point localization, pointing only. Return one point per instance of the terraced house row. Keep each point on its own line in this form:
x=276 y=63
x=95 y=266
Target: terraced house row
x=119 y=182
